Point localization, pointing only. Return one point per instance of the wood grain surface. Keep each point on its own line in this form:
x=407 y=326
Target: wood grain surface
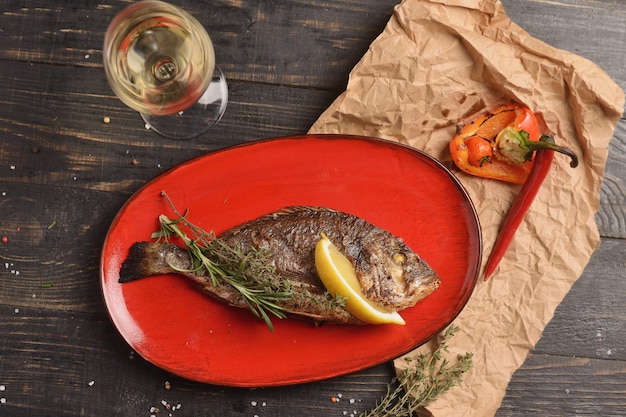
x=64 y=174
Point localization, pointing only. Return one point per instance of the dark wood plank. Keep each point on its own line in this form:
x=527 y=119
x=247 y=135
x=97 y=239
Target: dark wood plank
x=557 y=386
x=51 y=256
x=590 y=321
x=67 y=364
x=259 y=43
x=297 y=42
x=66 y=143
x=611 y=217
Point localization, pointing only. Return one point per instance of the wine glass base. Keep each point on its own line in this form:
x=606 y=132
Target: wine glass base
x=198 y=118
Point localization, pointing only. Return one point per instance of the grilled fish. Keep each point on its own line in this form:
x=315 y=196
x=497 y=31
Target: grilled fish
x=390 y=273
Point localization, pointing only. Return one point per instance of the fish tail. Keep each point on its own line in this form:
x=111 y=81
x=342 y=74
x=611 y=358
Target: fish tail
x=140 y=262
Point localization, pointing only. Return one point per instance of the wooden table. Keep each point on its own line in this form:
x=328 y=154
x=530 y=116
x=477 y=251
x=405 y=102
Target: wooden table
x=64 y=174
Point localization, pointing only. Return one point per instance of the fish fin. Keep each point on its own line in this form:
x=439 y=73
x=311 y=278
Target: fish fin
x=290 y=210
x=307 y=209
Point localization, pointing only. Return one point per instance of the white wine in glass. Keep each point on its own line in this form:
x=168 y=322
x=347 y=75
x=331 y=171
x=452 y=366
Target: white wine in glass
x=160 y=61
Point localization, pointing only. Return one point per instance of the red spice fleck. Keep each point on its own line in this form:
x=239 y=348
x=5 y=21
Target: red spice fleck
x=5 y=239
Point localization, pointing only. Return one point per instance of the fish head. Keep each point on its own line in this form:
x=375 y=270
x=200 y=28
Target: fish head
x=392 y=275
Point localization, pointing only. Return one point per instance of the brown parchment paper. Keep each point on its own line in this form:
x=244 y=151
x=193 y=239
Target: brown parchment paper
x=438 y=63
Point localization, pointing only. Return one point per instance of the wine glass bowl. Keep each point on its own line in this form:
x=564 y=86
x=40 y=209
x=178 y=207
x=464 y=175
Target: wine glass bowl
x=159 y=60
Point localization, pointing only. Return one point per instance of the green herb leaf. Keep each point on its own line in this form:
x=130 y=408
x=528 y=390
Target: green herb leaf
x=250 y=274
x=426 y=378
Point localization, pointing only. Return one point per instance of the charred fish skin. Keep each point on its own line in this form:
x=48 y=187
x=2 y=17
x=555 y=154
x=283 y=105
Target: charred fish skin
x=158 y=258
x=390 y=273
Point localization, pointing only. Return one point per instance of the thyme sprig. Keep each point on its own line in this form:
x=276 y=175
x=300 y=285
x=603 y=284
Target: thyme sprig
x=426 y=377
x=250 y=274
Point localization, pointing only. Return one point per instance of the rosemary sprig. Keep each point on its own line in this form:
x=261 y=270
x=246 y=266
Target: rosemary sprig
x=427 y=377
x=250 y=274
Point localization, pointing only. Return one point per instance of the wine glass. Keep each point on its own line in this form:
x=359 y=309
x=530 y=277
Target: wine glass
x=160 y=61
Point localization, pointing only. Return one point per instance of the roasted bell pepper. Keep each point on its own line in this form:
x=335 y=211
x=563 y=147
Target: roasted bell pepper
x=500 y=144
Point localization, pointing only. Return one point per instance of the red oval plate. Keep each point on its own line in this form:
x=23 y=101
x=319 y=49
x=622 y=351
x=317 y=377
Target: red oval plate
x=175 y=326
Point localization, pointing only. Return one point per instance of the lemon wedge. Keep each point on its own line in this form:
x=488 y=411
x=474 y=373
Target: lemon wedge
x=339 y=278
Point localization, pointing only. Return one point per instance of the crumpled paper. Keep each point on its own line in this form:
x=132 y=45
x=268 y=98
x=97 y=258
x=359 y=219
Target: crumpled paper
x=435 y=66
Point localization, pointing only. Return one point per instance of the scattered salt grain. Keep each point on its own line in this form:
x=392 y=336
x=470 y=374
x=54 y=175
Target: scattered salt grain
x=12 y=167
x=91 y=383
x=147 y=126
x=3 y=388
x=17 y=310
x=3 y=400
x=86 y=56
x=253 y=403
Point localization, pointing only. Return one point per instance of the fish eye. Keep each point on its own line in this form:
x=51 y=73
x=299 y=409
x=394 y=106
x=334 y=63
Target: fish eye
x=398 y=258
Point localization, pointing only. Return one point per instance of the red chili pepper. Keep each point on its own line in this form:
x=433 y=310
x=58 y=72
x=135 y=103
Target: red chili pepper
x=539 y=171
x=500 y=144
